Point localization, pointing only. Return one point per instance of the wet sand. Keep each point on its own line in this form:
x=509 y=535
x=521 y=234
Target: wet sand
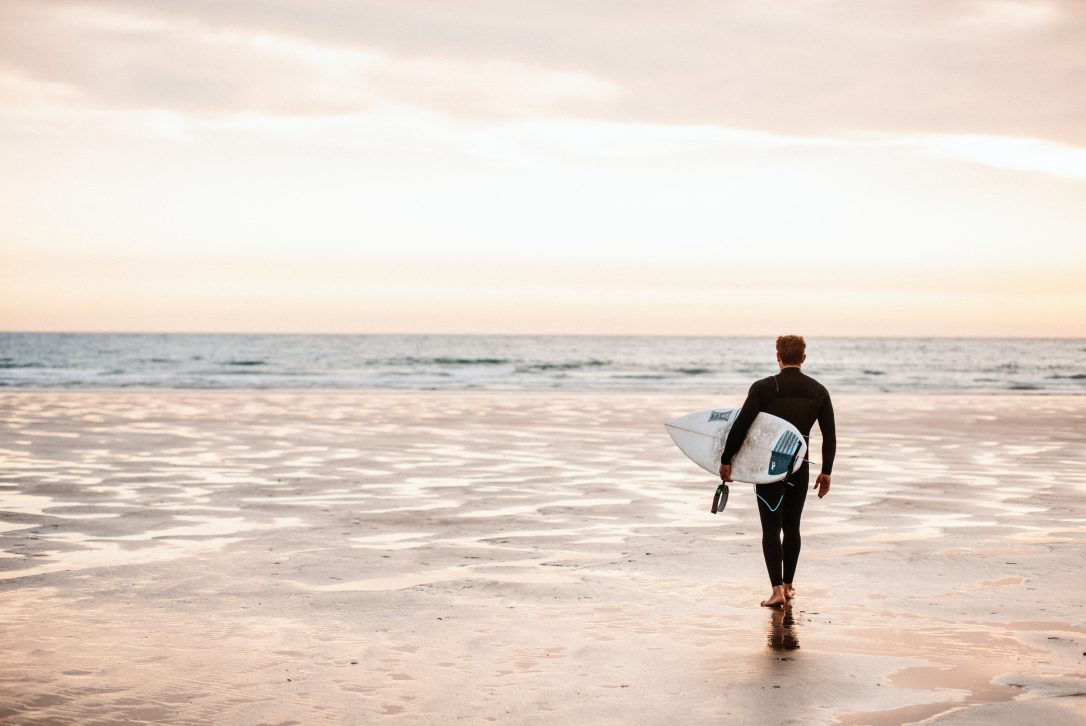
x=279 y=558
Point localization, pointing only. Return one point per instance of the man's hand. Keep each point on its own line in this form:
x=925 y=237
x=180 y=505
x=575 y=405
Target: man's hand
x=726 y=472
x=822 y=484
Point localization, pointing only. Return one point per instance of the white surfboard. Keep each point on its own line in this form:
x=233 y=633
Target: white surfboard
x=771 y=447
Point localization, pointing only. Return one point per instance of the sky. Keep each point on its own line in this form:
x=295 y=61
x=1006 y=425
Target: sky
x=907 y=167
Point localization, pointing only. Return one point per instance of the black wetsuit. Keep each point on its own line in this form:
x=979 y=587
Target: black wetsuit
x=801 y=400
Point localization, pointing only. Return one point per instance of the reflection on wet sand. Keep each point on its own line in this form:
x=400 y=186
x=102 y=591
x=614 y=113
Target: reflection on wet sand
x=782 y=630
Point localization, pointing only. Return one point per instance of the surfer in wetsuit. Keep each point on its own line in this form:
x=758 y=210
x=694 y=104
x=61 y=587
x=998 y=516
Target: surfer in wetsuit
x=800 y=400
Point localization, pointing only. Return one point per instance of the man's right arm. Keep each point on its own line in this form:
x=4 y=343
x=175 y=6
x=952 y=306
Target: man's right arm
x=738 y=434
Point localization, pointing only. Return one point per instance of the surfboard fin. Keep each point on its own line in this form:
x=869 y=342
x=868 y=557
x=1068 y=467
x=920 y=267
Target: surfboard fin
x=720 y=499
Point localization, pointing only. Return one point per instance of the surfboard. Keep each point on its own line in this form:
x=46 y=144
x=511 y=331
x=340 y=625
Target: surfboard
x=773 y=447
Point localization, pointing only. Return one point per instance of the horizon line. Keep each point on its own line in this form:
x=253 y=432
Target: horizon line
x=539 y=335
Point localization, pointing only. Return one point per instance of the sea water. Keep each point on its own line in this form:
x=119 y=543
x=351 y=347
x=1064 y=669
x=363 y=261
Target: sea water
x=607 y=363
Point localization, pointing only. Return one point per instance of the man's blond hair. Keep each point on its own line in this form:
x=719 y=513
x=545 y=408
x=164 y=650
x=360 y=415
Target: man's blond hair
x=791 y=349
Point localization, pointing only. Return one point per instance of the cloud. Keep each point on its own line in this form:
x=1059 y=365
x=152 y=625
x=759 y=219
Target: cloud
x=809 y=67
x=1031 y=155
x=120 y=59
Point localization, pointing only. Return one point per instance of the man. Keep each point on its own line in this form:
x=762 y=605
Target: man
x=800 y=400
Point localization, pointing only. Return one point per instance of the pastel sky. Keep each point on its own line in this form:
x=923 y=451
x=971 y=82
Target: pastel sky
x=875 y=167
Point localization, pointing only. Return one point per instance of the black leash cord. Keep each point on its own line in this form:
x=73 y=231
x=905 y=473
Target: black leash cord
x=720 y=499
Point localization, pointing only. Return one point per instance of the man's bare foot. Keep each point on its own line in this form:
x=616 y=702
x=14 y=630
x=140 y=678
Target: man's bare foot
x=777 y=599
x=789 y=591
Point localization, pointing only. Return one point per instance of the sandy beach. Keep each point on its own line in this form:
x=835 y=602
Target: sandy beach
x=248 y=557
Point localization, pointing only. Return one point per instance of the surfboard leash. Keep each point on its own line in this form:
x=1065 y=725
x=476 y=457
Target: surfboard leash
x=720 y=499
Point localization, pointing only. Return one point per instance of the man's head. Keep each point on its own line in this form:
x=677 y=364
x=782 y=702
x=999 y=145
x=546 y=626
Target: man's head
x=791 y=350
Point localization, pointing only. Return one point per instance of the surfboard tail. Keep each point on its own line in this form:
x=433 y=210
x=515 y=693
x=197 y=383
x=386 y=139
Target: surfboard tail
x=785 y=452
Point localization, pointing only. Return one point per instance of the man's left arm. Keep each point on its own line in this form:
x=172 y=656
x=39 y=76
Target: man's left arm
x=828 y=426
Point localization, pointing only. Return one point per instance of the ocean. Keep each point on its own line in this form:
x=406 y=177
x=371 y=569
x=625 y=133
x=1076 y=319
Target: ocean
x=604 y=363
